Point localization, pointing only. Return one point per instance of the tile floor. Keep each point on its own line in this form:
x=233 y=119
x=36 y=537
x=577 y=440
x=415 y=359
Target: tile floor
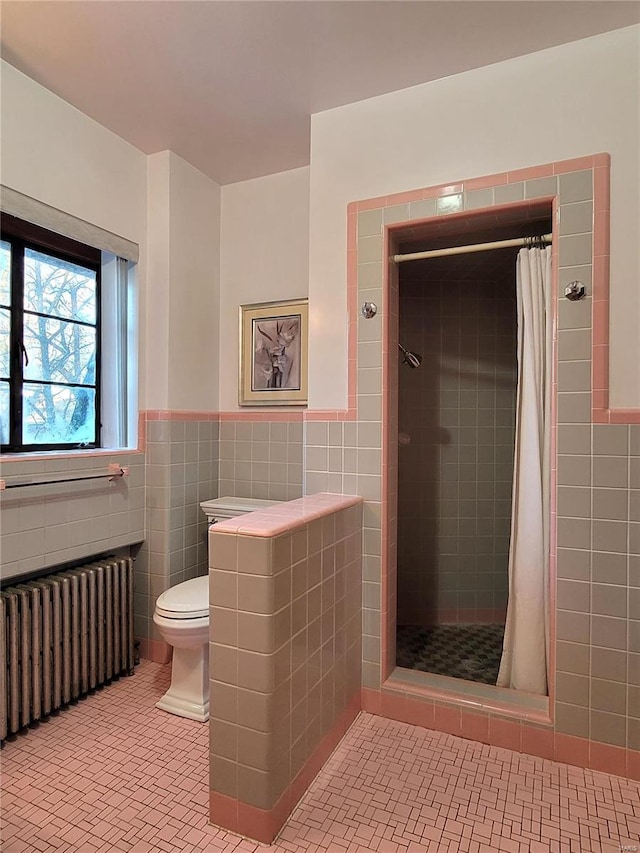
x=114 y=774
x=472 y=652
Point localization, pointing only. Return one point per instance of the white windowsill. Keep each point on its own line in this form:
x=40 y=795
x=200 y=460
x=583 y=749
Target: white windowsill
x=99 y=452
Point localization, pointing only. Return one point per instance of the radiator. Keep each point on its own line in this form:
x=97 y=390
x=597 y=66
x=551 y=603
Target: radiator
x=61 y=636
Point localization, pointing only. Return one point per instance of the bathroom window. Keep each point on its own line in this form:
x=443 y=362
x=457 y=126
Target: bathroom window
x=51 y=331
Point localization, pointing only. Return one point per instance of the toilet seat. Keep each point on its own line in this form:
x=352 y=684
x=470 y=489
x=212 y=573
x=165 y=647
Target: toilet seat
x=187 y=600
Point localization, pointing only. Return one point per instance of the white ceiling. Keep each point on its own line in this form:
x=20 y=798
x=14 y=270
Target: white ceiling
x=229 y=85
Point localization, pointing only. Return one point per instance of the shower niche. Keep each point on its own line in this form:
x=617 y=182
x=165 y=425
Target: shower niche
x=456 y=415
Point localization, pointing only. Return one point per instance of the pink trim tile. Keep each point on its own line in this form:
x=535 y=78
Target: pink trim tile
x=607 y=759
x=601 y=189
x=600 y=321
x=600 y=412
x=600 y=406
x=156 y=414
x=487 y=181
x=600 y=368
x=505 y=733
x=633 y=764
x=260 y=824
x=287 y=516
x=537 y=741
x=601 y=281
x=321 y=415
x=452 y=697
x=270 y=415
x=531 y=173
x=371 y=203
x=624 y=416
x=393 y=706
x=223 y=811
x=352 y=264
x=576 y=165
x=142 y=431
x=475 y=726
x=601 y=233
x=420 y=713
x=179 y=415
x=447 y=719
x=570 y=750
x=602 y=159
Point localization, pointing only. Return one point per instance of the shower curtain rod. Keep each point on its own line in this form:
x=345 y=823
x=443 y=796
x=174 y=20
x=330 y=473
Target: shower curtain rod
x=477 y=247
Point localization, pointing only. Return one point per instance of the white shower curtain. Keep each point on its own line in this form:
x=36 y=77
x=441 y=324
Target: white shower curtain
x=526 y=640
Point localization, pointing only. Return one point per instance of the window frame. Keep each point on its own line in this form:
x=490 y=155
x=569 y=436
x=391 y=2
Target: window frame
x=22 y=236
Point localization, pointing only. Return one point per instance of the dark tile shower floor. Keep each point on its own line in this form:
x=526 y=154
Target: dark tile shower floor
x=466 y=651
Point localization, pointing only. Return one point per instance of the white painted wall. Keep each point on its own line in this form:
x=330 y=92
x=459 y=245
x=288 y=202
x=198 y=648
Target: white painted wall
x=577 y=99
x=154 y=314
x=264 y=256
x=56 y=154
x=194 y=288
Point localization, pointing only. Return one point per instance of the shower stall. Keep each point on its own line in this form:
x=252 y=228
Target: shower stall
x=456 y=443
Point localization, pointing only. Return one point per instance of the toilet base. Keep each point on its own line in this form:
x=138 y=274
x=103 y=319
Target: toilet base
x=188 y=694
x=182 y=708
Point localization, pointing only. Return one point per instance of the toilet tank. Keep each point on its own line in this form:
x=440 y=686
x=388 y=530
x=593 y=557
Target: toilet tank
x=218 y=509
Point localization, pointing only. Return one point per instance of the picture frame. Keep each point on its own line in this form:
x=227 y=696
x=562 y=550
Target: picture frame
x=273 y=353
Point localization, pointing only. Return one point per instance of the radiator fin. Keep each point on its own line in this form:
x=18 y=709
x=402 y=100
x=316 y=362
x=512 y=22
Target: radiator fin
x=62 y=636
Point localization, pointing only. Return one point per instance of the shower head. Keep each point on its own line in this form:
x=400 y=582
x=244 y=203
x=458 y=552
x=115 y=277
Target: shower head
x=411 y=358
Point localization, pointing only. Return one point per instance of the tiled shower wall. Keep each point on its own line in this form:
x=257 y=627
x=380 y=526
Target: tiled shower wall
x=182 y=471
x=456 y=416
x=597 y=612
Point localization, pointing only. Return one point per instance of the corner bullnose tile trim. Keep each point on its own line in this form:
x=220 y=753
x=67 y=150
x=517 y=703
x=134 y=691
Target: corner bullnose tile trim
x=287 y=516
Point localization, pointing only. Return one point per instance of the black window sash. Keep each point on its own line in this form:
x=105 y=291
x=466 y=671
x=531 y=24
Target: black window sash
x=15 y=232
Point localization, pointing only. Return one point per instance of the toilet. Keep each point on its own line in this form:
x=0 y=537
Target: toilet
x=182 y=618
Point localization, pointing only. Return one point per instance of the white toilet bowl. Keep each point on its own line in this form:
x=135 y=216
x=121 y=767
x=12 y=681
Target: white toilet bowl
x=182 y=618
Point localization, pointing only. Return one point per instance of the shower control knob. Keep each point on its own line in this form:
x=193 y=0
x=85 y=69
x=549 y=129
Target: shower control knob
x=574 y=290
x=369 y=310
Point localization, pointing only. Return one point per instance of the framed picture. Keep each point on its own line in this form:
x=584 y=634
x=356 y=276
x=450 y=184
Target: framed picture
x=273 y=353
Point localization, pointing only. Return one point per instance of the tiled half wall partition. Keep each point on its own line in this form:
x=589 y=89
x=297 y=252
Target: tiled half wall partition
x=285 y=655
x=595 y=622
